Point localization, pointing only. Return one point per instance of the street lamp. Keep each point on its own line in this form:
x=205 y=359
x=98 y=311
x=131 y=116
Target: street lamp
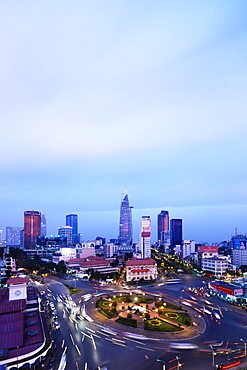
x=213 y=354
x=244 y=347
x=182 y=290
x=179 y=364
x=164 y=365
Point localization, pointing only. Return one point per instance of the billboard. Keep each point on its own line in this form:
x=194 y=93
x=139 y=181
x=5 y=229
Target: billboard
x=208 y=248
x=239 y=242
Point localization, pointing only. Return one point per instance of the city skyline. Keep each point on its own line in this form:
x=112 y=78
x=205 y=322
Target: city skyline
x=121 y=94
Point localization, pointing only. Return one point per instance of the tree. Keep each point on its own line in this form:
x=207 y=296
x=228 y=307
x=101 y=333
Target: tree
x=61 y=267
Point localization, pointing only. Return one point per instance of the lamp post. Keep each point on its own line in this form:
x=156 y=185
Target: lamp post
x=244 y=347
x=164 y=365
x=17 y=357
x=213 y=354
x=179 y=364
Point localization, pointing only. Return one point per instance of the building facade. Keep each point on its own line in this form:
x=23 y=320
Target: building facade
x=72 y=220
x=145 y=237
x=176 y=231
x=43 y=225
x=125 y=224
x=141 y=269
x=188 y=248
x=239 y=250
x=66 y=231
x=163 y=227
x=13 y=236
x=32 y=222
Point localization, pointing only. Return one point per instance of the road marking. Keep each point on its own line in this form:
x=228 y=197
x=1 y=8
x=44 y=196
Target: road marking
x=86 y=334
x=72 y=339
x=89 y=329
x=118 y=344
x=78 y=350
x=77 y=366
x=82 y=338
x=62 y=344
x=94 y=345
x=146 y=349
x=132 y=340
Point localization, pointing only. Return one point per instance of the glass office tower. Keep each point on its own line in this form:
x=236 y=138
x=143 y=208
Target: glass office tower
x=125 y=225
x=32 y=220
x=72 y=220
x=176 y=231
x=163 y=227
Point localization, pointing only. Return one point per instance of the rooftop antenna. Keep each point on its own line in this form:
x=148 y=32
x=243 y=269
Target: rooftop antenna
x=236 y=231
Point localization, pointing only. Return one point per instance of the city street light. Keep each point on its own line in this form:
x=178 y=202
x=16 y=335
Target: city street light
x=164 y=365
x=213 y=354
x=244 y=347
x=179 y=364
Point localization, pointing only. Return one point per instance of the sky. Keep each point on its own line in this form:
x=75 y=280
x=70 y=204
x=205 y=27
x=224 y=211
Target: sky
x=104 y=95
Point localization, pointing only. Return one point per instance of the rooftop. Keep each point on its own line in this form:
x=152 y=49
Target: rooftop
x=140 y=261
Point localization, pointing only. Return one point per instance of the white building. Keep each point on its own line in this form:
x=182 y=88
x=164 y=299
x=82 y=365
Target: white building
x=13 y=236
x=109 y=250
x=66 y=231
x=145 y=237
x=188 y=248
x=143 y=268
x=85 y=250
x=64 y=254
x=217 y=265
x=239 y=257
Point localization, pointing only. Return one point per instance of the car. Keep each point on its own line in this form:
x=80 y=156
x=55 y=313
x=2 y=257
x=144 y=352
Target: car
x=56 y=325
x=181 y=345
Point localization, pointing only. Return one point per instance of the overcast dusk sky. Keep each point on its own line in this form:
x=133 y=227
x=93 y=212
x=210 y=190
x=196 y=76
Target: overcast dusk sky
x=148 y=96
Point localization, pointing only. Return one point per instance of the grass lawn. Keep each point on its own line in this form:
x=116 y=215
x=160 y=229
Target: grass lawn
x=160 y=325
x=108 y=313
x=126 y=321
x=181 y=317
x=102 y=303
x=73 y=290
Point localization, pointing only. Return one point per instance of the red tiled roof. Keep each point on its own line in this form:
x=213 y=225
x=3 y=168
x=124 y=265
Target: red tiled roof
x=7 y=306
x=89 y=260
x=94 y=263
x=18 y=280
x=140 y=261
x=11 y=330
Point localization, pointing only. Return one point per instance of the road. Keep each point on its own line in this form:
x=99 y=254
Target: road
x=86 y=346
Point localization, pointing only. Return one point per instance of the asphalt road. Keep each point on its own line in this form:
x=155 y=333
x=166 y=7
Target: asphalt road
x=86 y=346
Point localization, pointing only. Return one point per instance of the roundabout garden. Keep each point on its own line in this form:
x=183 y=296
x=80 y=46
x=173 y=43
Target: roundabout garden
x=144 y=311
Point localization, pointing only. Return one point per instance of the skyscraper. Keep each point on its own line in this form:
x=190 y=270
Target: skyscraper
x=31 y=228
x=145 y=239
x=125 y=224
x=66 y=231
x=13 y=236
x=163 y=227
x=43 y=226
x=176 y=231
x=72 y=220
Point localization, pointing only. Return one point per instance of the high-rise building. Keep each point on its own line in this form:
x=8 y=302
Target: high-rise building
x=125 y=224
x=13 y=236
x=176 y=231
x=72 y=220
x=31 y=228
x=163 y=227
x=66 y=231
x=43 y=226
x=145 y=239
